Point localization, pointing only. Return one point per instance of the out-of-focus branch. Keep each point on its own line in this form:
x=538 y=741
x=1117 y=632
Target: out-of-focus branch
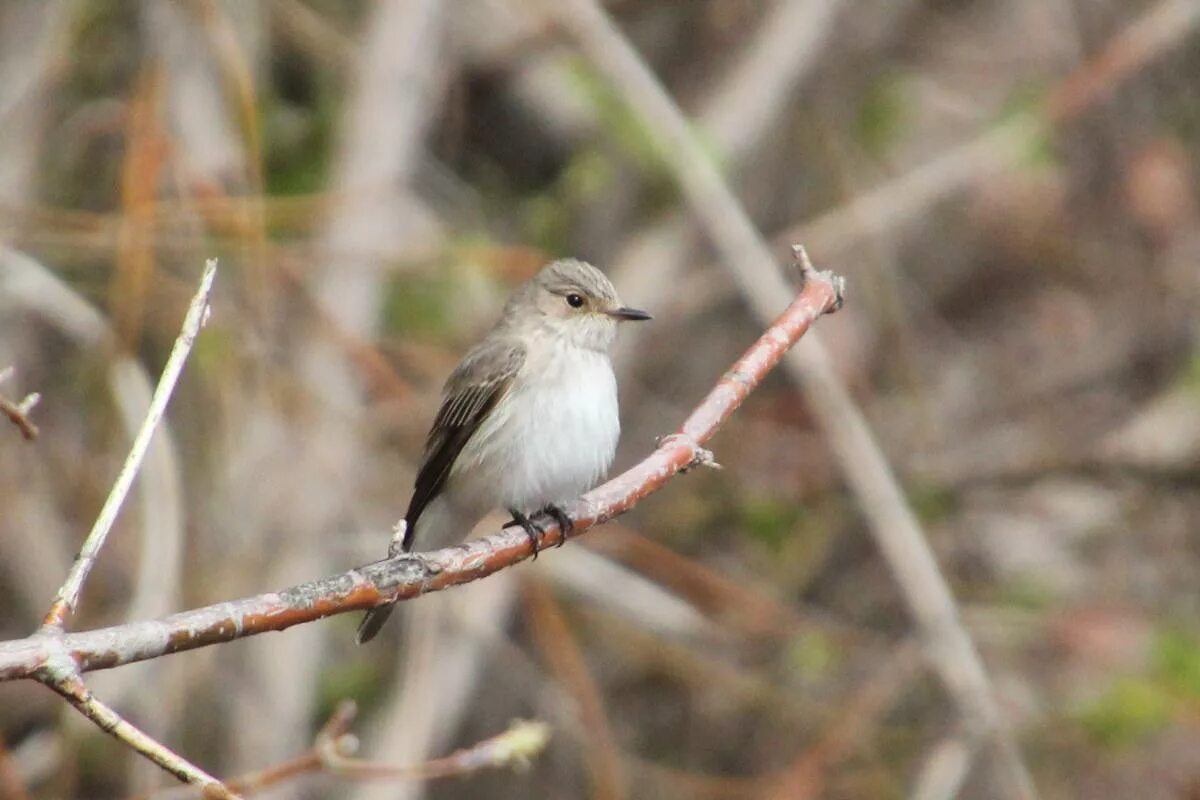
x=515 y=747
x=1158 y=31
x=1155 y=32
x=409 y=576
x=58 y=670
x=68 y=595
x=945 y=769
x=18 y=413
x=552 y=635
x=12 y=786
x=334 y=746
x=807 y=776
x=893 y=523
x=334 y=734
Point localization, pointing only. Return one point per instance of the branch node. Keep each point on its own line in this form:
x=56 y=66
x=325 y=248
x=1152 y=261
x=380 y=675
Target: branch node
x=700 y=457
x=807 y=272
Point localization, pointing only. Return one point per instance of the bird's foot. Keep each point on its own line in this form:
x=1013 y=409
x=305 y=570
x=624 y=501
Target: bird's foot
x=565 y=523
x=533 y=530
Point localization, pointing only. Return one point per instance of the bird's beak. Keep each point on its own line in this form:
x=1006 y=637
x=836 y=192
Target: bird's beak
x=626 y=314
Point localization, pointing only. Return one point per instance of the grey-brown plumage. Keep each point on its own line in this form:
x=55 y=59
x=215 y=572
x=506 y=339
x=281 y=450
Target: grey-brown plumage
x=471 y=392
x=528 y=419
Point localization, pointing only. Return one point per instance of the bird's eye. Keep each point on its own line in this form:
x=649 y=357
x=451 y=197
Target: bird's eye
x=574 y=300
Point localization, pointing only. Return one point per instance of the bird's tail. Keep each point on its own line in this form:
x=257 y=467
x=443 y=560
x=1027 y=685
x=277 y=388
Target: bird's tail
x=372 y=621
x=375 y=618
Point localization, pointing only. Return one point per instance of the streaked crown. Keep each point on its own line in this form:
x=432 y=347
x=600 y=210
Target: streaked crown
x=569 y=275
x=572 y=300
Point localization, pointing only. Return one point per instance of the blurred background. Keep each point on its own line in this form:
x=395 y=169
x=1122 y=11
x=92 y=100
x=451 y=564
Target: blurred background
x=1009 y=186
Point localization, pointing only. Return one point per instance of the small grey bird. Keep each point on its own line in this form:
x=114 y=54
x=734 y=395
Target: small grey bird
x=528 y=419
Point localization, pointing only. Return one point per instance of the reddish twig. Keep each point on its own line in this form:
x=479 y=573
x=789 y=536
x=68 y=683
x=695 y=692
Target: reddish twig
x=333 y=748
x=409 y=576
x=334 y=731
x=18 y=413
x=515 y=747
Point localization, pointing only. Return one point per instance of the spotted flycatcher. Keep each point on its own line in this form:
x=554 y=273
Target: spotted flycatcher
x=528 y=419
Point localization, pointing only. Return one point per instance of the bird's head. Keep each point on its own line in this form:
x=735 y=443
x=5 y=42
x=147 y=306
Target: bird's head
x=574 y=300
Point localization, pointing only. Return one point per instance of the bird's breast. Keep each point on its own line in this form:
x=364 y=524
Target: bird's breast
x=555 y=433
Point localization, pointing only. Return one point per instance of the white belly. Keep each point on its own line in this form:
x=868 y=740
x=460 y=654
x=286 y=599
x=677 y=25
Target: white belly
x=551 y=439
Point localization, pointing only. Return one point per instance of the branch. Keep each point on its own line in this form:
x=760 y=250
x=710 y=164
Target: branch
x=63 y=677
x=333 y=748
x=515 y=747
x=68 y=595
x=57 y=668
x=18 y=413
x=409 y=576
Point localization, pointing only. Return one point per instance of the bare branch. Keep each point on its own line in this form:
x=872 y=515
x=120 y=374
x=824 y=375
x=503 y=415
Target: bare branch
x=412 y=575
x=57 y=669
x=515 y=747
x=334 y=746
x=68 y=596
x=61 y=675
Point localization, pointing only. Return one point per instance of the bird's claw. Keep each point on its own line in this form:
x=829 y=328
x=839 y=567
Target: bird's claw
x=565 y=523
x=533 y=530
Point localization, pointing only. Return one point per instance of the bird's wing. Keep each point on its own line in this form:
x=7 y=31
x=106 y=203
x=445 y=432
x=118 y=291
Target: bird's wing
x=472 y=391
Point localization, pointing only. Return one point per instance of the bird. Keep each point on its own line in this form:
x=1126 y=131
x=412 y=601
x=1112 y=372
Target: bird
x=528 y=419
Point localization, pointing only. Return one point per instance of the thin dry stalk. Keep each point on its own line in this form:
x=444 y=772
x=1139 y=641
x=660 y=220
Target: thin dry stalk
x=68 y=595
x=62 y=676
x=333 y=748
x=516 y=747
x=58 y=670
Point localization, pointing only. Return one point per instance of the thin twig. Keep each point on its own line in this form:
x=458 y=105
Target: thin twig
x=62 y=676
x=18 y=414
x=68 y=596
x=409 y=576
x=334 y=730
x=515 y=747
x=333 y=748
x=893 y=523
x=57 y=668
